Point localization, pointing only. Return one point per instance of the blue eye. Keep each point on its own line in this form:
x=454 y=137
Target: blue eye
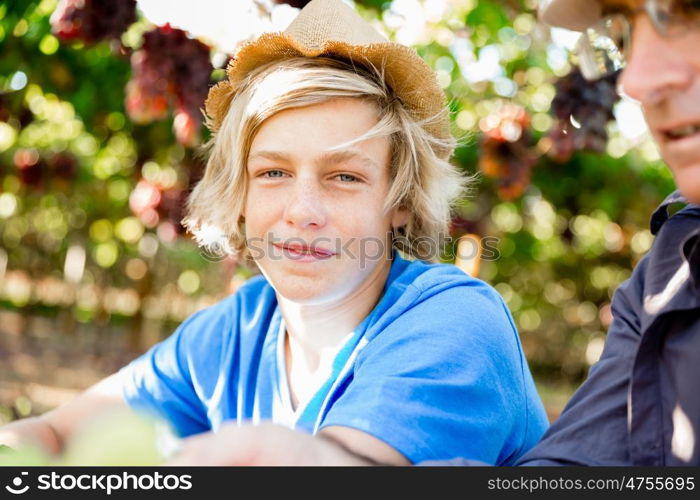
x=279 y=174
x=269 y=173
x=349 y=178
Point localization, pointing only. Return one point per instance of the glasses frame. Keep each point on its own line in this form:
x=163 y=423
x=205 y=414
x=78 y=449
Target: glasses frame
x=596 y=62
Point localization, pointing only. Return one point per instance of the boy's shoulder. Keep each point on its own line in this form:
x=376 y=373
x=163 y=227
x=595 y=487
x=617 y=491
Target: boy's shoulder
x=432 y=278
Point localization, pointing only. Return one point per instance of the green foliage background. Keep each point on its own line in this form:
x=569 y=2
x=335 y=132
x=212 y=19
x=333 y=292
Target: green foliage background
x=564 y=245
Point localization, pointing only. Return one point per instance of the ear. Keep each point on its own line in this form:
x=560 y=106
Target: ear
x=400 y=217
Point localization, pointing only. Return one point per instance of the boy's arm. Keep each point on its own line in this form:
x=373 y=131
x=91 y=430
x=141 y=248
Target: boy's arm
x=51 y=430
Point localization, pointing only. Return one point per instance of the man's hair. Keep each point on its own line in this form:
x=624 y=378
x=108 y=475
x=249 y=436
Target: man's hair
x=421 y=180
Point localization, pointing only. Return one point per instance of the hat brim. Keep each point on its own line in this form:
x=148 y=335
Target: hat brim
x=576 y=15
x=409 y=76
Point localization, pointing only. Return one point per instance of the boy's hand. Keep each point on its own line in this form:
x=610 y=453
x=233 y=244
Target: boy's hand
x=265 y=444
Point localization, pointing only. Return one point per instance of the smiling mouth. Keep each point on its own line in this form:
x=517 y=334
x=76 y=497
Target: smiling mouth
x=681 y=132
x=301 y=251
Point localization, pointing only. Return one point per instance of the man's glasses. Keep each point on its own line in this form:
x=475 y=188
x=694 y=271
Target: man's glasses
x=603 y=48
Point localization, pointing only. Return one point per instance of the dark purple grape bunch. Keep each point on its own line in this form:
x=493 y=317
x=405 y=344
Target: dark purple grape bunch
x=150 y=87
x=505 y=152
x=92 y=20
x=62 y=165
x=155 y=205
x=172 y=208
x=582 y=110
x=170 y=70
x=13 y=110
x=30 y=167
x=5 y=113
x=459 y=226
x=35 y=172
x=191 y=76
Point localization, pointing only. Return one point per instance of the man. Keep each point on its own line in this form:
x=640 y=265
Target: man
x=640 y=404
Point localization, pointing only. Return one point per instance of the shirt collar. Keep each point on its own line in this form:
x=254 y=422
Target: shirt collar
x=681 y=290
x=691 y=245
x=660 y=215
x=691 y=251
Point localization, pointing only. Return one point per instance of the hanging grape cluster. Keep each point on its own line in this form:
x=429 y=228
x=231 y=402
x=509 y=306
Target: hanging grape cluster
x=92 y=20
x=14 y=111
x=151 y=203
x=63 y=168
x=505 y=153
x=29 y=167
x=157 y=204
x=34 y=171
x=5 y=112
x=170 y=70
x=582 y=110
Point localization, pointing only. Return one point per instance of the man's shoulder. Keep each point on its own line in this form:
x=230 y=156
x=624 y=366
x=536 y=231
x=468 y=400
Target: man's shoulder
x=662 y=218
x=658 y=267
x=672 y=231
x=660 y=282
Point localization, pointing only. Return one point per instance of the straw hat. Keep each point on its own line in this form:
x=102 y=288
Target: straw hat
x=330 y=28
x=575 y=15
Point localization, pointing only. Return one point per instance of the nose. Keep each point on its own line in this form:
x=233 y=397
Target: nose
x=655 y=68
x=305 y=207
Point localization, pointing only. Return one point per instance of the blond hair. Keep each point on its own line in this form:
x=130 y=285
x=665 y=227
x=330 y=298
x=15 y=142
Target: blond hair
x=422 y=179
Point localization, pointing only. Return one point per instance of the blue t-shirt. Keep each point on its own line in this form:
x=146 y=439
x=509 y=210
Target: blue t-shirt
x=436 y=370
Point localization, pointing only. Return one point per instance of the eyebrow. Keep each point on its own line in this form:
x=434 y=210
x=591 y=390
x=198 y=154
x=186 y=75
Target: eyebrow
x=330 y=158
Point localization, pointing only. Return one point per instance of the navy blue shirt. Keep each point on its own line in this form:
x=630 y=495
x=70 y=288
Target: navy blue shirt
x=640 y=404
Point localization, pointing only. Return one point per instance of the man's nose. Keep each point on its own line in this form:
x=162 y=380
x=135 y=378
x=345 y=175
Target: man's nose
x=654 y=68
x=306 y=204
